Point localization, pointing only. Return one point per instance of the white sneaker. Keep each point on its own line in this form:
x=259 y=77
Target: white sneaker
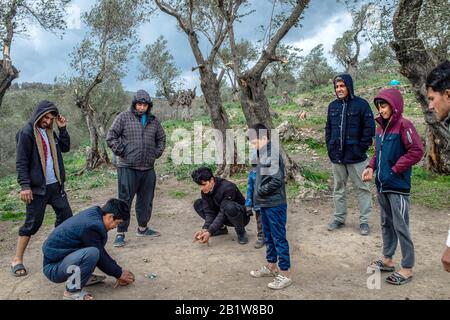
x=263 y=272
x=280 y=282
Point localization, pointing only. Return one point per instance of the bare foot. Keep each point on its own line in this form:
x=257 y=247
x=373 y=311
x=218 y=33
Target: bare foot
x=407 y=273
x=388 y=262
x=20 y=272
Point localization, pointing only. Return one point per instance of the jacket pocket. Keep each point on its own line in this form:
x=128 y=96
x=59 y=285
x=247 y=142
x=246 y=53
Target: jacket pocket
x=333 y=149
x=354 y=150
x=396 y=181
x=132 y=154
x=353 y=118
x=335 y=119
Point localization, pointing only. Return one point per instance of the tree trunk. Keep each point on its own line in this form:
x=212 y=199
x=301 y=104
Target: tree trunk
x=352 y=69
x=256 y=109
x=95 y=156
x=211 y=92
x=7 y=74
x=416 y=62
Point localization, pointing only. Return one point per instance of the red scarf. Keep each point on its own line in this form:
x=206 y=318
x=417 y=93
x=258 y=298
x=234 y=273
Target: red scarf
x=45 y=146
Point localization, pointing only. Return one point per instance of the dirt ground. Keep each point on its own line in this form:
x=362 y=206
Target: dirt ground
x=324 y=265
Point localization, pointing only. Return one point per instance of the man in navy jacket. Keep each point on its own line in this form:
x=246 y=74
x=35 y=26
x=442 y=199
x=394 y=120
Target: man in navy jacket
x=349 y=132
x=77 y=246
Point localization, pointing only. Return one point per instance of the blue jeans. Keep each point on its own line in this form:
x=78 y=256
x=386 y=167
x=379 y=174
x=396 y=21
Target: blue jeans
x=86 y=259
x=274 y=226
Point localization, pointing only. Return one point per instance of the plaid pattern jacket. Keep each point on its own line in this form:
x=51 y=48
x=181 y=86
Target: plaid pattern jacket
x=135 y=146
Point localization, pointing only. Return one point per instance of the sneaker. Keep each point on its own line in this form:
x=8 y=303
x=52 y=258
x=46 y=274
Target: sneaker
x=280 y=282
x=259 y=243
x=221 y=231
x=120 y=240
x=335 y=225
x=147 y=233
x=263 y=272
x=242 y=237
x=364 y=229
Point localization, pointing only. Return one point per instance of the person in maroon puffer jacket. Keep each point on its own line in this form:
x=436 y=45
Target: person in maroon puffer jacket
x=397 y=148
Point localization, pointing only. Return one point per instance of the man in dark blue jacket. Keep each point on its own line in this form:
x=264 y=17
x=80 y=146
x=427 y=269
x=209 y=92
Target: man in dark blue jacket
x=77 y=246
x=40 y=173
x=349 y=132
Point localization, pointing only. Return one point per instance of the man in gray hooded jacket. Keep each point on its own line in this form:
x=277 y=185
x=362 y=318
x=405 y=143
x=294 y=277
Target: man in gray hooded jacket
x=137 y=139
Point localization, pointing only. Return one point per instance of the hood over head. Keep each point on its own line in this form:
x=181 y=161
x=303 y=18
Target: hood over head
x=141 y=96
x=395 y=100
x=43 y=108
x=348 y=82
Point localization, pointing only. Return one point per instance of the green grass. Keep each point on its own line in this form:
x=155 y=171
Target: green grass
x=430 y=190
x=316 y=178
x=183 y=171
x=12 y=209
x=286 y=107
x=317 y=146
x=178 y=194
x=292 y=189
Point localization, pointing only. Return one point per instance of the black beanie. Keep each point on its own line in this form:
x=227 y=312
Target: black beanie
x=119 y=208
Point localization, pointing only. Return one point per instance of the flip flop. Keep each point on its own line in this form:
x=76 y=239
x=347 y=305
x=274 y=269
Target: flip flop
x=94 y=279
x=398 y=279
x=18 y=267
x=379 y=265
x=80 y=295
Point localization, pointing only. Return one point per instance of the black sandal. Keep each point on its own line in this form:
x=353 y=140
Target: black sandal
x=398 y=279
x=19 y=267
x=379 y=265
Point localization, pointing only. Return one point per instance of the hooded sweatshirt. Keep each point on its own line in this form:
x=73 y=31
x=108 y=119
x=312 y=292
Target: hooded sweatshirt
x=137 y=142
x=397 y=148
x=31 y=163
x=350 y=126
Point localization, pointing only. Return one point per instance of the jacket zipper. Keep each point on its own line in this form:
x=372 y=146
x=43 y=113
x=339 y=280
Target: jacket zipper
x=344 y=107
x=381 y=150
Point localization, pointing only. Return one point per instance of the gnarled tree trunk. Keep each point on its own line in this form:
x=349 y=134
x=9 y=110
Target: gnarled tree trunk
x=219 y=118
x=210 y=81
x=416 y=62
x=97 y=154
x=254 y=102
x=256 y=109
x=7 y=74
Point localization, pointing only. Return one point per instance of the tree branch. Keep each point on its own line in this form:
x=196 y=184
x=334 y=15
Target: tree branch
x=220 y=77
x=166 y=8
x=268 y=55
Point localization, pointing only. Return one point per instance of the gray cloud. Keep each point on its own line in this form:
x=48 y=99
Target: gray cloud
x=44 y=56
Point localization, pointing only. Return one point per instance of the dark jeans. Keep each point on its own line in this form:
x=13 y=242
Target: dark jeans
x=142 y=184
x=235 y=214
x=85 y=259
x=54 y=196
x=274 y=226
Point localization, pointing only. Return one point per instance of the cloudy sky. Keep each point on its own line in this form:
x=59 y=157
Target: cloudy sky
x=43 y=56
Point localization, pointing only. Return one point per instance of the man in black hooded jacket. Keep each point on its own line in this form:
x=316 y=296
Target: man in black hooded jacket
x=40 y=174
x=137 y=139
x=349 y=131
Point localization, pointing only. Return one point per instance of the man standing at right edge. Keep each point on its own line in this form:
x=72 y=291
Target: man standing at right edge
x=438 y=91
